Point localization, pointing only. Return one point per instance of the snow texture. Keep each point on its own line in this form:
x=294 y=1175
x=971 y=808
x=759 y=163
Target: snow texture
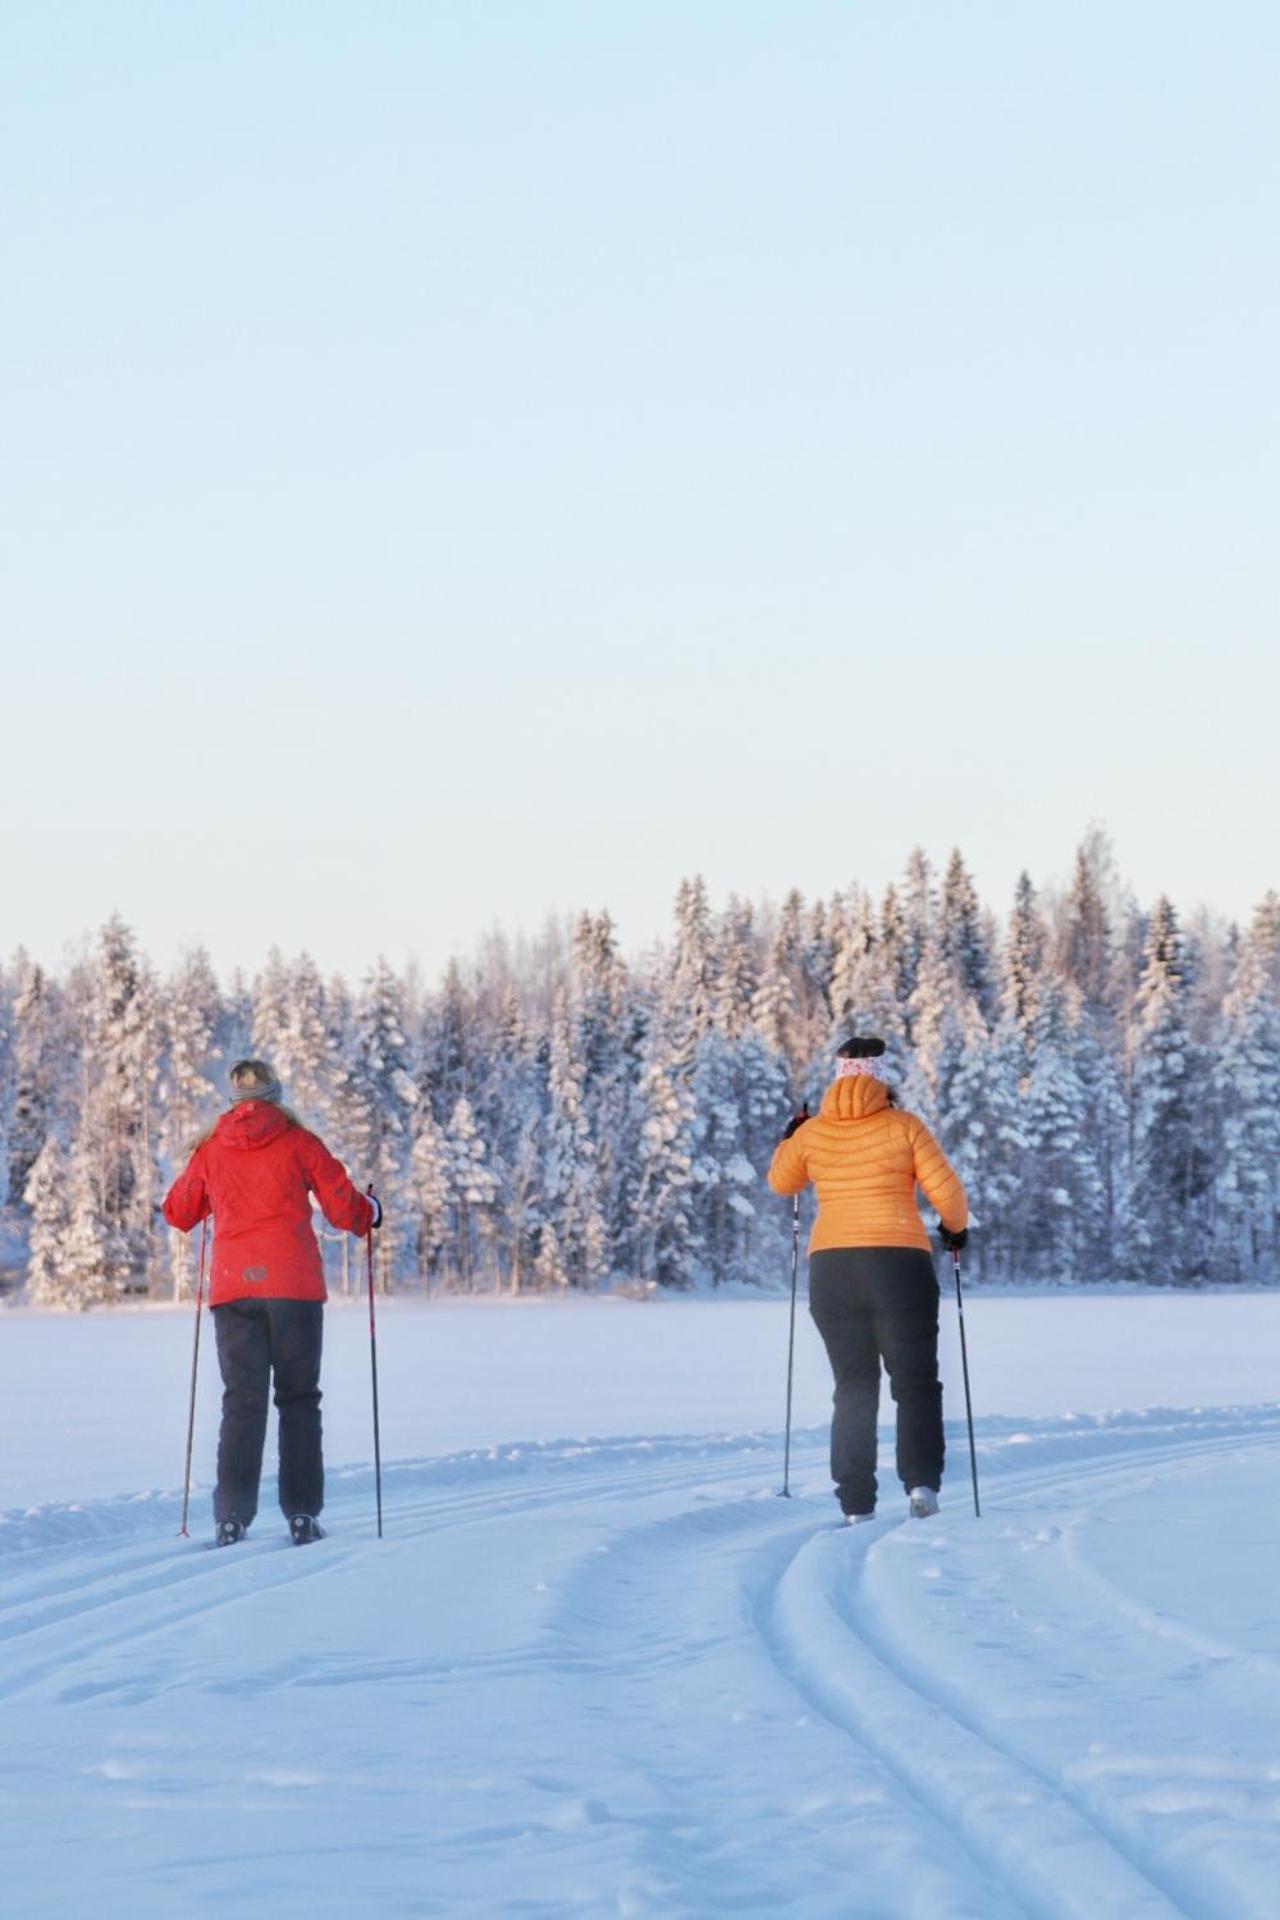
x=597 y=1667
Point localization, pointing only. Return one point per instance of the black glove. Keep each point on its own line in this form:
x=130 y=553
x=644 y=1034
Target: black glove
x=796 y=1120
x=953 y=1242
x=376 y=1204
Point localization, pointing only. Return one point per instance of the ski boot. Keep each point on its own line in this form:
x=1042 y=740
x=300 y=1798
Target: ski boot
x=304 y=1528
x=858 y=1519
x=923 y=1502
x=229 y=1534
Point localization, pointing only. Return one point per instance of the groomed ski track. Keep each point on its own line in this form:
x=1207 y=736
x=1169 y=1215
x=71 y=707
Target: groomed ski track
x=625 y=1678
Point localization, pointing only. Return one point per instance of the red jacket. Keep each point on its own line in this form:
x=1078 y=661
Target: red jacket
x=255 y=1174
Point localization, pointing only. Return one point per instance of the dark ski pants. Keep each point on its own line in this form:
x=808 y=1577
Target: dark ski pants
x=872 y=1304
x=257 y=1338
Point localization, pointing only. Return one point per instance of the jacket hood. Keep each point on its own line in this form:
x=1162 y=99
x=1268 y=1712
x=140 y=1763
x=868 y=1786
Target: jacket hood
x=854 y=1097
x=250 y=1123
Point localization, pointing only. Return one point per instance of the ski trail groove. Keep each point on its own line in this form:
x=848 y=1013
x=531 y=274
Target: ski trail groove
x=655 y=1633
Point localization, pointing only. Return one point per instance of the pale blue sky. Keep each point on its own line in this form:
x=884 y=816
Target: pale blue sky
x=465 y=462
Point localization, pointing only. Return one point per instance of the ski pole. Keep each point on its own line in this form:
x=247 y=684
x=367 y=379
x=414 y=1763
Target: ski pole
x=373 y=1361
x=791 y=1342
x=191 y=1411
x=968 y=1403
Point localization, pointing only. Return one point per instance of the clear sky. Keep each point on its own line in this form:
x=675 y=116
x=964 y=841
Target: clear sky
x=462 y=462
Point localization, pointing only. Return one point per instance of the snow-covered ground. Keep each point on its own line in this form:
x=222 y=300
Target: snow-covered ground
x=596 y=1667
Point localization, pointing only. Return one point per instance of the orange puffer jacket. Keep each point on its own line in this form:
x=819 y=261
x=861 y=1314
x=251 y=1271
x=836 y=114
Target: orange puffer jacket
x=866 y=1159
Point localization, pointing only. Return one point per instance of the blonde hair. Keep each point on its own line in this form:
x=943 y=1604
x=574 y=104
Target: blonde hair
x=245 y=1076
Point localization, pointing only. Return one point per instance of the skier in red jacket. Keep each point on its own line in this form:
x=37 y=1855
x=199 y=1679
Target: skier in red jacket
x=255 y=1174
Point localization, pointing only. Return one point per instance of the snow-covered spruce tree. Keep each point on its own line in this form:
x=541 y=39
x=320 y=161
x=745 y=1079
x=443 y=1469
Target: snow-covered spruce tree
x=853 y=939
x=271 y=1012
x=303 y=1057
x=570 y=1197
x=725 y=1185
x=821 y=930
x=918 y=910
x=509 y=1067
x=444 y=1045
x=96 y=1262
x=611 y=1028
x=980 y=1121
x=472 y=1192
x=739 y=1091
x=692 y=967
x=6 y=1080
x=1024 y=958
x=550 y=1275
x=782 y=1011
x=865 y=995
x=114 y=1164
x=1088 y=958
x=664 y=1240
x=962 y=941
x=37 y=1067
x=1065 y=1202
x=47 y=1196
x=194 y=1071
x=235 y=1027
x=384 y=1087
x=1164 y=1227
x=1247 y=1083
x=896 y=947
x=937 y=1013
x=429 y=1174
x=771 y=1006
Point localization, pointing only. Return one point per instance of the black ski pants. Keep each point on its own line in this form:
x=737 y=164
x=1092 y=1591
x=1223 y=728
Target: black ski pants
x=873 y=1304
x=257 y=1338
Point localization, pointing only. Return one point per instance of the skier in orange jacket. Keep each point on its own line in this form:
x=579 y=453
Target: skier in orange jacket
x=872 y=1289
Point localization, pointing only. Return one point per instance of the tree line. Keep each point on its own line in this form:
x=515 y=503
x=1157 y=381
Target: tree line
x=552 y=1116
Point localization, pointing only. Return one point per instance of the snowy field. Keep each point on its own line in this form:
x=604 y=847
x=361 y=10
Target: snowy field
x=596 y=1667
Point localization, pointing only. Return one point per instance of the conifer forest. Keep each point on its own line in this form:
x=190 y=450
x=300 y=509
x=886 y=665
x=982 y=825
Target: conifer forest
x=1104 y=1074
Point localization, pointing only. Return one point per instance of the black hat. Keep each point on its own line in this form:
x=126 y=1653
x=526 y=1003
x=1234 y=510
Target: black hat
x=861 y=1047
